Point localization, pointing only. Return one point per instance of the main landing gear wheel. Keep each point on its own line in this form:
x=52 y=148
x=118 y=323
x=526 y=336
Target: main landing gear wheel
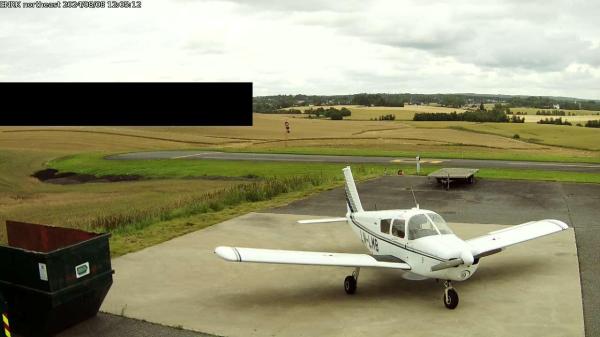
x=351 y=281
x=450 y=297
x=350 y=285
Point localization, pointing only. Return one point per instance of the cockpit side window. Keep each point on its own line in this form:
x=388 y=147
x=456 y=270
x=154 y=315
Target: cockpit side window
x=398 y=228
x=419 y=226
x=385 y=225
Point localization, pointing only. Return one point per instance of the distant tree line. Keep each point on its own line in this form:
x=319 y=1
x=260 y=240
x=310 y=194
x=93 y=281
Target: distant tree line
x=548 y=102
x=517 y=119
x=379 y=100
x=593 y=124
x=333 y=113
x=438 y=116
x=390 y=117
x=555 y=121
x=497 y=115
x=265 y=104
x=270 y=104
x=467 y=116
x=550 y=113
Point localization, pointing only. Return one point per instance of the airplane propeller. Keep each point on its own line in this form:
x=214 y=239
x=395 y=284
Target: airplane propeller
x=466 y=258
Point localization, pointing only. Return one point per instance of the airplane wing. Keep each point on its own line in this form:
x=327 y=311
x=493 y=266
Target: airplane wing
x=236 y=254
x=496 y=241
x=322 y=220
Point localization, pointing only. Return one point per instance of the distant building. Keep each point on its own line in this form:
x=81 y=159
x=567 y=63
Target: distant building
x=556 y=106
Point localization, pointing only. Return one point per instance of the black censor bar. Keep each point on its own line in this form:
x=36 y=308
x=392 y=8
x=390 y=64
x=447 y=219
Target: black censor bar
x=126 y=103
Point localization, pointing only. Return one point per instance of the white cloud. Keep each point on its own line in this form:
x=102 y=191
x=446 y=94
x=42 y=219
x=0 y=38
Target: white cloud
x=316 y=47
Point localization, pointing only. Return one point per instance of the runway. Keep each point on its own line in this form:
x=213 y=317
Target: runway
x=472 y=163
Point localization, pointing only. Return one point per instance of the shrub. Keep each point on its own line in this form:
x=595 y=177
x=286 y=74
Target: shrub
x=496 y=116
x=592 y=124
x=555 y=121
x=389 y=117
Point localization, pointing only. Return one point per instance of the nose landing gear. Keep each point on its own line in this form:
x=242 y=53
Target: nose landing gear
x=450 y=296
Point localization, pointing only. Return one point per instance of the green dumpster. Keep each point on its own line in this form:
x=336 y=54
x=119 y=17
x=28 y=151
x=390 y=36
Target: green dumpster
x=51 y=277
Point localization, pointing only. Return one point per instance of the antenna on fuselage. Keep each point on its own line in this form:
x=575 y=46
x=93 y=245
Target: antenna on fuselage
x=415 y=198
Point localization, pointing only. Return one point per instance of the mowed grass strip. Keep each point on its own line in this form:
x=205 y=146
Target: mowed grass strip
x=524 y=174
x=95 y=164
x=471 y=154
x=179 y=168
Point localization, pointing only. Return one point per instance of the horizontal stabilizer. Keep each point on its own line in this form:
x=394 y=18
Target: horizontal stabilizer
x=236 y=254
x=323 y=220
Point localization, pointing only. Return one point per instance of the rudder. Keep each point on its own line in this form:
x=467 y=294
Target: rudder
x=352 y=198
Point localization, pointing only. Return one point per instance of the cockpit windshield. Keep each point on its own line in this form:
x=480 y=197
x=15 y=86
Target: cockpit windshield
x=426 y=224
x=440 y=223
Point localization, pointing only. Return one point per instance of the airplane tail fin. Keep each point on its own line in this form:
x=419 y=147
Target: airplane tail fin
x=352 y=199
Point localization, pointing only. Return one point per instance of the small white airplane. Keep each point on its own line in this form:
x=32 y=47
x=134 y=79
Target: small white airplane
x=415 y=240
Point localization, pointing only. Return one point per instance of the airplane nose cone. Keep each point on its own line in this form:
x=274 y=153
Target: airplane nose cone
x=467 y=257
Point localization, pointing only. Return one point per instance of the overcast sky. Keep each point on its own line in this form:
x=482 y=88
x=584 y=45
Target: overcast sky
x=541 y=47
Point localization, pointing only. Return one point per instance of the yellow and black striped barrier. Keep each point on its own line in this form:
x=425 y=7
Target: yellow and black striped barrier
x=6 y=324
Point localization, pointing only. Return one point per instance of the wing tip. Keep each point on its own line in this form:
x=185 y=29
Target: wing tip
x=559 y=223
x=228 y=253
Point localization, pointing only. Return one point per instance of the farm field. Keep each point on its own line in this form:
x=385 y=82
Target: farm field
x=579 y=116
x=404 y=138
x=407 y=112
x=365 y=113
x=24 y=198
x=186 y=195
x=532 y=111
x=393 y=138
x=573 y=119
x=556 y=135
x=216 y=192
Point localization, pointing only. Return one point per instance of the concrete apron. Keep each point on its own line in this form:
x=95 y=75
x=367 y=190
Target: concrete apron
x=532 y=289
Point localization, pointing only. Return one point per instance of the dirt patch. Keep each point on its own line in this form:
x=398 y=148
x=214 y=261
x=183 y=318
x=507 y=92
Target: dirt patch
x=52 y=176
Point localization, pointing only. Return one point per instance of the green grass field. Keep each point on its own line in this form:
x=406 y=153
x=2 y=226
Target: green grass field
x=173 y=168
x=25 y=198
x=184 y=195
x=455 y=153
x=95 y=164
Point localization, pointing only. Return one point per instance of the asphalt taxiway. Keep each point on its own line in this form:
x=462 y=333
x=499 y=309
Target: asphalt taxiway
x=532 y=289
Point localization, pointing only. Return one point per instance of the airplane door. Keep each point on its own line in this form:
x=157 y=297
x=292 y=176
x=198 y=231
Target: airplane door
x=399 y=231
